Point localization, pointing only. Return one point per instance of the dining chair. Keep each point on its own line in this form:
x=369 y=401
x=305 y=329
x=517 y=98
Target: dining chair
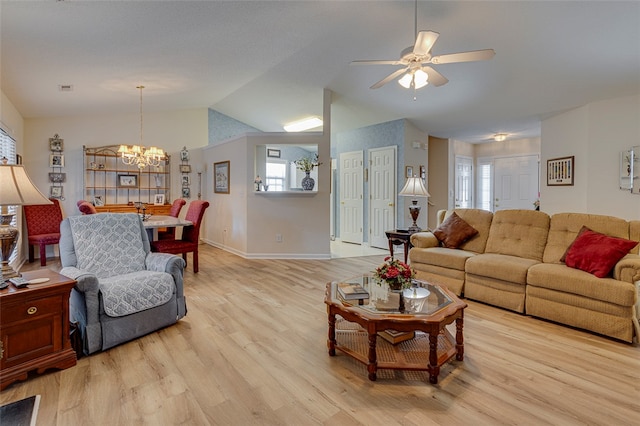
x=43 y=228
x=86 y=207
x=170 y=233
x=190 y=235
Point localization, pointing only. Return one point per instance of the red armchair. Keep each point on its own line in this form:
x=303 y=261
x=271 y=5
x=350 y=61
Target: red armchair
x=43 y=228
x=170 y=233
x=190 y=235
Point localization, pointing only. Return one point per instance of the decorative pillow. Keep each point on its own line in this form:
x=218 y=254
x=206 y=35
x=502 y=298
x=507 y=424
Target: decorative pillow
x=454 y=231
x=564 y=256
x=597 y=253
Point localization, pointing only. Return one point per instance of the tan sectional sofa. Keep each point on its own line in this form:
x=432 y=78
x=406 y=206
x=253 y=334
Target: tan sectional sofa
x=514 y=263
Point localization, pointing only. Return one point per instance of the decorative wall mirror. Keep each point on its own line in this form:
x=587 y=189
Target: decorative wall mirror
x=276 y=169
x=630 y=170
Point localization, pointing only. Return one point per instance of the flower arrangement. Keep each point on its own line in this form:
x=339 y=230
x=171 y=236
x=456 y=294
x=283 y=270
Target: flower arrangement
x=396 y=274
x=306 y=164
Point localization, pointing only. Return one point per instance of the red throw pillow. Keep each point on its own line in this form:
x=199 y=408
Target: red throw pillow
x=454 y=231
x=564 y=256
x=597 y=253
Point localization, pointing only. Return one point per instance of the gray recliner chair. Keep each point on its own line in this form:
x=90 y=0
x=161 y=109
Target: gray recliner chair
x=123 y=290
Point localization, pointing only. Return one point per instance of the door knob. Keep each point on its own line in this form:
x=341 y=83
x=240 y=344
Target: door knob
x=390 y=204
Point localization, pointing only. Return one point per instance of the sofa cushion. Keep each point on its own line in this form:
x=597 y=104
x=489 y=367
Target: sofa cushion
x=441 y=256
x=558 y=277
x=519 y=233
x=454 y=231
x=130 y=293
x=479 y=220
x=499 y=266
x=597 y=253
x=564 y=228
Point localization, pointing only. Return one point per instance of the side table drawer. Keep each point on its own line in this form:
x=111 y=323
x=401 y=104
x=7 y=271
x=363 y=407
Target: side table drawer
x=30 y=309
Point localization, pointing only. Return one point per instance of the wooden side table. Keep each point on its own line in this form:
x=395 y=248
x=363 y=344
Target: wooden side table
x=399 y=237
x=34 y=327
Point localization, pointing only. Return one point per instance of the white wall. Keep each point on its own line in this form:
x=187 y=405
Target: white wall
x=595 y=134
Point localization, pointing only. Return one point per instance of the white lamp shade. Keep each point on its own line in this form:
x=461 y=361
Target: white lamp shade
x=414 y=188
x=17 y=189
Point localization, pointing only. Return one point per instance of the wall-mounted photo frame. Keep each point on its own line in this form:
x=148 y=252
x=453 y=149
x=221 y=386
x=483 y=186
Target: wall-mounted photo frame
x=408 y=171
x=221 y=177
x=128 y=181
x=56 y=144
x=158 y=200
x=56 y=160
x=98 y=201
x=55 y=192
x=184 y=154
x=18 y=159
x=423 y=173
x=186 y=192
x=560 y=171
x=57 y=177
x=273 y=153
x=186 y=180
x=185 y=168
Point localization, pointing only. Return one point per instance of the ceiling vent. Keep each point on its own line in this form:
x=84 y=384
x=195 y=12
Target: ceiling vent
x=65 y=87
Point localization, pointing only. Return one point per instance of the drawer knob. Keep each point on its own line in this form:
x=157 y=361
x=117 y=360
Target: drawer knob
x=32 y=310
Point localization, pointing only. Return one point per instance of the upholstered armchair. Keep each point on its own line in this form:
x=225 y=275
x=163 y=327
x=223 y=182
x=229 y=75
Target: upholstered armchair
x=123 y=290
x=43 y=227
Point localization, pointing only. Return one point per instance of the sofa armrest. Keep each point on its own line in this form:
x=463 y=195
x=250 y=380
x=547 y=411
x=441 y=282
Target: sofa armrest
x=171 y=264
x=84 y=307
x=628 y=269
x=424 y=240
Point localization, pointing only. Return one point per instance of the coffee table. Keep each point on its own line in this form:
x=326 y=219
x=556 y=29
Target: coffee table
x=355 y=334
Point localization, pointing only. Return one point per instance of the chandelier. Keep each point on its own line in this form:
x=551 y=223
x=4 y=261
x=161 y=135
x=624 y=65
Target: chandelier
x=138 y=155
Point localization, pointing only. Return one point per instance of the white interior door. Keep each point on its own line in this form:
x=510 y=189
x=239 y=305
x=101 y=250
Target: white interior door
x=382 y=195
x=516 y=182
x=351 y=202
x=464 y=182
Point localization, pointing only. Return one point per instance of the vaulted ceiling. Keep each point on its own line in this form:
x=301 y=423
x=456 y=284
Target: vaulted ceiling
x=266 y=63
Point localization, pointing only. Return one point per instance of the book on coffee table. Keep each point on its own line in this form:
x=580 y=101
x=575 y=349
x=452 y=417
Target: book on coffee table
x=394 y=337
x=22 y=412
x=351 y=291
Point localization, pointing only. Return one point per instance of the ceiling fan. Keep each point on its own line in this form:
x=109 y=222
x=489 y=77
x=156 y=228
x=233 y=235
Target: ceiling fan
x=415 y=60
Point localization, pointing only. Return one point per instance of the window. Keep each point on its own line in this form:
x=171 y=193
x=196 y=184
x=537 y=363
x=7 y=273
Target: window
x=276 y=175
x=485 y=185
x=8 y=150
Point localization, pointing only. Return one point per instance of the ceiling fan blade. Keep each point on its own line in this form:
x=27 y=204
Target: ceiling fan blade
x=435 y=77
x=476 y=55
x=424 y=42
x=388 y=78
x=376 y=62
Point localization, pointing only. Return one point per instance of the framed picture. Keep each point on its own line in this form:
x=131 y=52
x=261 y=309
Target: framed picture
x=128 y=181
x=57 y=177
x=560 y=171
x=55 y=192
x=408 y=171
x=186 y=180
x=185 y=168
x=158 y=179
x=158 y=200
x=98 y=201
x=423 y=173
x=56 y=160
x=273 y=153
x=18 y=159
x=221 y=177
x=186 y=192
x=184 y=154
x=56 y=144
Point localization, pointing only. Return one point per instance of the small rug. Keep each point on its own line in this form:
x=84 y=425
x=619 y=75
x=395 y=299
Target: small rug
x=20 y=413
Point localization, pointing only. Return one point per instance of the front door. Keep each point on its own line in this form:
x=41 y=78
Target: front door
x=516 y=182
x=464 y=182
x=351 y=202
x=382 y=195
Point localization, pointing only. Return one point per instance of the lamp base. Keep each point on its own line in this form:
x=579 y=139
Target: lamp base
x=414 y=210
x=8 y=239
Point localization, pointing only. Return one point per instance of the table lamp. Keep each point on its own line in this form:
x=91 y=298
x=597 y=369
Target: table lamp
x=16 y=189
x=414 y=188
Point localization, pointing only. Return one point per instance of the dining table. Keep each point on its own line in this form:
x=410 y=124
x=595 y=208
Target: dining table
x=154 y=222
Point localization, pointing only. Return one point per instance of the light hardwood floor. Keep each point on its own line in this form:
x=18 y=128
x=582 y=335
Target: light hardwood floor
x=252 y=351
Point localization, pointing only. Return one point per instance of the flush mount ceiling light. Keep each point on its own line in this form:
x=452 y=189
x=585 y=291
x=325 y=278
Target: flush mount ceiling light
x=304 y=124
x=499 y=137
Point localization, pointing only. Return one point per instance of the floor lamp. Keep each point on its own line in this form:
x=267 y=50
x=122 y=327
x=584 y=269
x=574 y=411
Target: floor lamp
x=16 y=189
x=414 y=188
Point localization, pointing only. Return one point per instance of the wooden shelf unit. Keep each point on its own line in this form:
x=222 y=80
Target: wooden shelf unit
x=102 y=168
